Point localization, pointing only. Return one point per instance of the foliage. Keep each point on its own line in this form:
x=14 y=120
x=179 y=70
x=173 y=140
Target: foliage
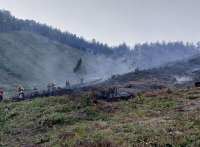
x=79 y=68
x=169 y=90
x=10 y=23
x=193 y=96
x=62 y=121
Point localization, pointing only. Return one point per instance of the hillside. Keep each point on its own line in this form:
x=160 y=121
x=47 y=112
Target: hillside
x=153 y=116
x=182 y=73
x=30 y=58
x=166 y=117
x=27 y=58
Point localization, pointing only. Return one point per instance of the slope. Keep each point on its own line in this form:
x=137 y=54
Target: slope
x=157 y=118
x=27 y=58
x=182 y=73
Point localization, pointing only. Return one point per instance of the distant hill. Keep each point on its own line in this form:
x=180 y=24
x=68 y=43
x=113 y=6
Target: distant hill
x=155 y=53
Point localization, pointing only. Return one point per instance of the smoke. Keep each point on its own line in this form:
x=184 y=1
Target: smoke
x=58 y=63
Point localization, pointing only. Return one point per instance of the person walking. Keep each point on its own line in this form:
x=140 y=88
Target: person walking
x=35 y=89
x=49 y=86
x=67 y=83
x=21 y=91
x=53 y=85
x=82 y=78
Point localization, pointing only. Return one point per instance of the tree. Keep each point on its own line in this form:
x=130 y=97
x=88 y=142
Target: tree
x=79 y=68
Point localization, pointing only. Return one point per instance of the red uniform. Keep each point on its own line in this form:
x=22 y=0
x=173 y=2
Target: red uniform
x=1 y=92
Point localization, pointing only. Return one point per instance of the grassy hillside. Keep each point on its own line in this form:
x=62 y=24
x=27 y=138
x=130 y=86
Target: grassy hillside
x=166 y=117
x=27 y=58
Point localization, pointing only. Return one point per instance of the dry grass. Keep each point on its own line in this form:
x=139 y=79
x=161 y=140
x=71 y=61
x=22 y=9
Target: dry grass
x=158 y=118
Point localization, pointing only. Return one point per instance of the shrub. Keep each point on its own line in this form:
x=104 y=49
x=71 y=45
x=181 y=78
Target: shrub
x=59 y=119
x=42 y=139
x=67 y=108
x=10 y=131
x=103 y=116
x=192 y=96
x=90 y=112
x=169 y=104
x=38 y=102
x=169 y=90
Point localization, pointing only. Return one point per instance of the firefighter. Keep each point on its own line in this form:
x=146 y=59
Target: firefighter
x=82 y=78
x=21 y=91
x=53 y=85
x=67 y=83
x=35 y=88
x=1 y=94
x=49 y=86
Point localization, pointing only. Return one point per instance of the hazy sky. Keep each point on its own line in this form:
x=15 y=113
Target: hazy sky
x=115 y=21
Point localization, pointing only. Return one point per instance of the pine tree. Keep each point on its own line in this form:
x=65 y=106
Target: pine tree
x=79 y=69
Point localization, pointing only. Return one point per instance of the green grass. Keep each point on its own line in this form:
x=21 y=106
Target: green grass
x=154 y=119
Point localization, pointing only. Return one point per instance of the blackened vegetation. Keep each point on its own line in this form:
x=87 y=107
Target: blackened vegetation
x=111 y=93
x=44 y=93
x=197 y=84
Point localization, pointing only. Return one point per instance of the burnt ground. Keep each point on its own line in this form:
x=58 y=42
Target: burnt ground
x=183 y=73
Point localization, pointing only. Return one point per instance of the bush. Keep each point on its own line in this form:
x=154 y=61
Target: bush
x=103 y=116
x=42 y=139
x=90 y=112
x=59 y=119
x=38 y=102
x=192 y=97
x=169 y=90
x=67 y=108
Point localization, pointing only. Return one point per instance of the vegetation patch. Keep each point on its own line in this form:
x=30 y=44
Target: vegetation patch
x=81 y=121
x=59 y=119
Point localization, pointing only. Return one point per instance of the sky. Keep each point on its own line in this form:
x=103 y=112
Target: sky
x=115 y=21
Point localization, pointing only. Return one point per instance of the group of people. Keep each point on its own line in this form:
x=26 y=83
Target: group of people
x=50 y=87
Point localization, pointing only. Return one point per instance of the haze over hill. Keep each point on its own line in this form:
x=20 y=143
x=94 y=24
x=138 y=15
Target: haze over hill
x=28 y=58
